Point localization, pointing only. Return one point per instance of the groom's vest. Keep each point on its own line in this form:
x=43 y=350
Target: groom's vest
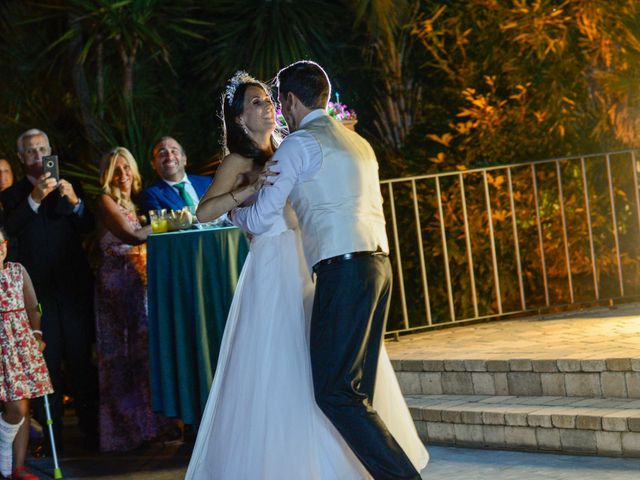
x=340 y=208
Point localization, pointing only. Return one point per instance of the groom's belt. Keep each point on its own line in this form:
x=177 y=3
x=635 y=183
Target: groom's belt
x=349 y=256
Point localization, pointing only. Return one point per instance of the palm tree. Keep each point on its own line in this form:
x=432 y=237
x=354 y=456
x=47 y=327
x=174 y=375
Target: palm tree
x=263 y=36
x=96 y=34
x=389 y=45
x=128 y=26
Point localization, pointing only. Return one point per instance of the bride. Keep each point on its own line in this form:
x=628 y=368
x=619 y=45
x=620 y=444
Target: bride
x=261 y=420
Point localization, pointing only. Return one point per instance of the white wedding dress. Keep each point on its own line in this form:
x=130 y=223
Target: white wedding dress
x=261 y=420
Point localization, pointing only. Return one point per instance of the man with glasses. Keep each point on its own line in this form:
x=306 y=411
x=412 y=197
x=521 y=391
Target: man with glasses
x=175 y=189
x=45 y=218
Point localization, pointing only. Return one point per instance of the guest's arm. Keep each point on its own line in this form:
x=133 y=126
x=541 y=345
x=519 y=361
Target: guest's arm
x=31 y=307
x=224 y=193
x=79 y=214
x=114 y=221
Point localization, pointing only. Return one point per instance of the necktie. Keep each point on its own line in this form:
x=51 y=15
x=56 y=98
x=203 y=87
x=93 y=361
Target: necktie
x=188 y=201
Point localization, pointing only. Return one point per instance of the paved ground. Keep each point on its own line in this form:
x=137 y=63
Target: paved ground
x=469 y=464
x=450 y=463
x=155 y=461
x=594 y=334
x=597 y=334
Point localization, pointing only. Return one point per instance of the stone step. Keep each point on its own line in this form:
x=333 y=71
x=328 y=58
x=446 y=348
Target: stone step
x=597 y=426
x=613 y=377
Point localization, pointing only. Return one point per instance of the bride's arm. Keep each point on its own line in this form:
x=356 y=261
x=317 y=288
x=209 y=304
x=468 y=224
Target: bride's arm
x=224 y=194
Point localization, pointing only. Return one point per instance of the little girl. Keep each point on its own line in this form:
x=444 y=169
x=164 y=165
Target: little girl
x=23 y=373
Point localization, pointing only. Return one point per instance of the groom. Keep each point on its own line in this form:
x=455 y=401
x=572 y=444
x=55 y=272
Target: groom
x=330 y=176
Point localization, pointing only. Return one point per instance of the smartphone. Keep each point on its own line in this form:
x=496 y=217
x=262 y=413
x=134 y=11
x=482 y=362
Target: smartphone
x=50 y=164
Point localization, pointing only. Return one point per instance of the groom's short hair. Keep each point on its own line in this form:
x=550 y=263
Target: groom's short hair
x=306 y=80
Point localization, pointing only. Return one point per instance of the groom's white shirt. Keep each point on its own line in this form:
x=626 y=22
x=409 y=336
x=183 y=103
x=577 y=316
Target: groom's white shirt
x=299 y=157
x=332 y=182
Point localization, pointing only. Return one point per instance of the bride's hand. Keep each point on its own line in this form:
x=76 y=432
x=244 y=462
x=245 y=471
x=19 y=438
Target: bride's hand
x=265 y=173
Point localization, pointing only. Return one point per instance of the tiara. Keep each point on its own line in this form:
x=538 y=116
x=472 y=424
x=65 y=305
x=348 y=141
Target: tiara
x=238 y=78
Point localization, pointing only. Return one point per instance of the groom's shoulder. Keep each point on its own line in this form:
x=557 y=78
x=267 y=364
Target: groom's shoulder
x=299 y=138
x=293 y=136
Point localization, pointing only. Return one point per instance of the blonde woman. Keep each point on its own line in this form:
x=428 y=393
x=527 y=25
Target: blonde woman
x=126 y=420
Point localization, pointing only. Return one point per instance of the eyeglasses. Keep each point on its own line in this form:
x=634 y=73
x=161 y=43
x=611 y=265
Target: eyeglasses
x=40 y=150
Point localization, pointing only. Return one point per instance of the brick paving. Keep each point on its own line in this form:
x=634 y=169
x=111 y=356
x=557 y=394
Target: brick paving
x=447 y=463
x=608 y=427
x=450 y=463
x=567 y=383
x=603 y=333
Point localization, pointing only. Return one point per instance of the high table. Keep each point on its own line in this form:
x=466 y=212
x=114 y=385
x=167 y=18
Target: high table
x=192 y=276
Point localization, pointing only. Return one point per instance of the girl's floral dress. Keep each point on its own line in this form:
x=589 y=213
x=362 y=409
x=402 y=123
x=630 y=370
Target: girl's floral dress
x=23 y=373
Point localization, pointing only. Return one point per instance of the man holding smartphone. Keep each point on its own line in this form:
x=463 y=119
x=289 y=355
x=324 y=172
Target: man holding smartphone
x=46 y=217
x=32 y=149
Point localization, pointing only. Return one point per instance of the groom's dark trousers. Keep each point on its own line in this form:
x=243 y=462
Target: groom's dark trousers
x=347 y=325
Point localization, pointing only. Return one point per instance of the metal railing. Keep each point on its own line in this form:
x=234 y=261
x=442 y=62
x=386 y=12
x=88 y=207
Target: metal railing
x=504 y=240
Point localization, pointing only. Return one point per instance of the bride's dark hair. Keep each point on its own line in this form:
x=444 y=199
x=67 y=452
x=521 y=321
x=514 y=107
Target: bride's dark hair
x=234 y=139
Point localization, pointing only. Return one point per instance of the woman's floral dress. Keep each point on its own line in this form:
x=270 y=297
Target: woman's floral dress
x=126 y=419
x=23 y=372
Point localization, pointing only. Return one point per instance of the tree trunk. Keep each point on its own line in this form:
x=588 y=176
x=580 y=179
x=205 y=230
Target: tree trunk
x=100 y=77
x=127 y=85
x=128 y=61
x=83 y=93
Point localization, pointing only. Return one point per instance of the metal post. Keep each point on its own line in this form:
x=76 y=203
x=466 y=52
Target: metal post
x=587 y=208
x=615 y=224
x=423 y=266
x=516 y=241
x=634 y=166
x=467 y=236
x=445 y=251
x=564 y=230
x=494 y=258
x=540 y=237
x=403 y=298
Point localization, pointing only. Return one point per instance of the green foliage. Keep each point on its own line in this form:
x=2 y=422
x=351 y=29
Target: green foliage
x=97 y=72
x=533 y=79
x=261 y=37
x=437 y=86
x=88 y=174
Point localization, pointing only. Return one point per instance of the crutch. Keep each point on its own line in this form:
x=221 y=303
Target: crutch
x=57 y=472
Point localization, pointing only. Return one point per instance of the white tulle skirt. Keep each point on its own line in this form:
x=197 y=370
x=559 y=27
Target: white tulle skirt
x=261 y=420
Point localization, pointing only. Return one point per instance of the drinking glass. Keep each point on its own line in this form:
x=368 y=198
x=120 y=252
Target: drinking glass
x=159 y=222
x=187 y=214
x=164 y=221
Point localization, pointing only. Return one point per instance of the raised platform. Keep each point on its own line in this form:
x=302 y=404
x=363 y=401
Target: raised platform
x=569 y=384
